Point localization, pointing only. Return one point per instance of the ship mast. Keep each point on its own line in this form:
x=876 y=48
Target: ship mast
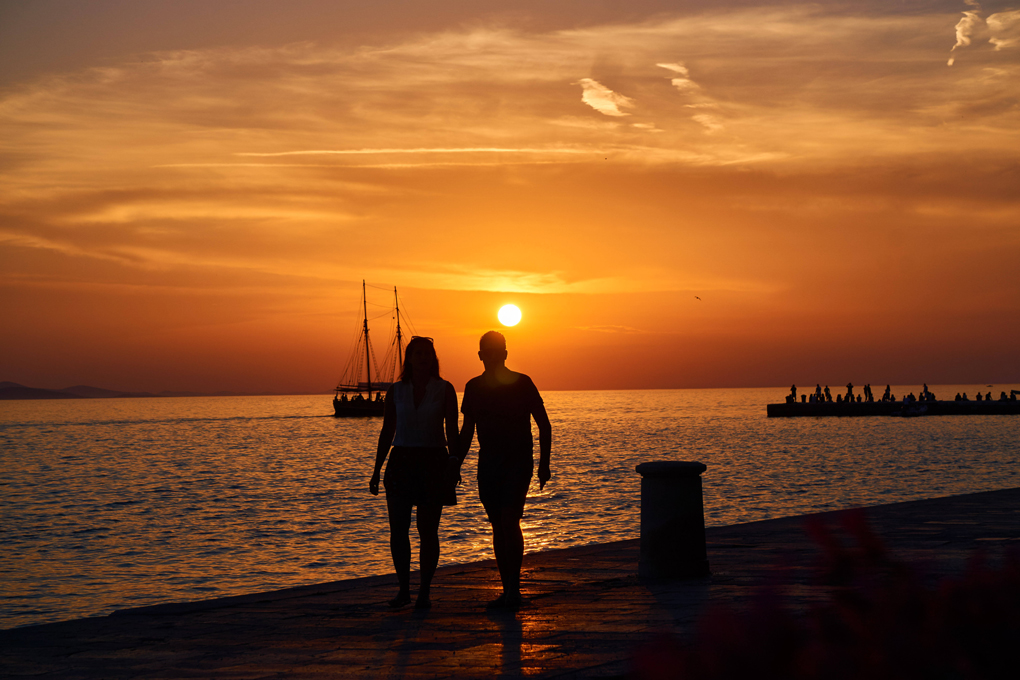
x=368 y=360
x=400 y=343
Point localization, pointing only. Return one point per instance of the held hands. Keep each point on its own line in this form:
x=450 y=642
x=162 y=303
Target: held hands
x=373 y=484
x=453 y=469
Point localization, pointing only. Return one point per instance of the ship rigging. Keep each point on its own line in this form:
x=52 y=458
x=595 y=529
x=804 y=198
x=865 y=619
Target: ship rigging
x=362 y=387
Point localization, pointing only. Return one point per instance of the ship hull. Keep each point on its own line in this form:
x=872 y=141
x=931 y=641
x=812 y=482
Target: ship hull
x=353 y=409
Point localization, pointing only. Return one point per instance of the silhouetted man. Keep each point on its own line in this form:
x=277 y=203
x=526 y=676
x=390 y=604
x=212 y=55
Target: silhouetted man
x=501 y=403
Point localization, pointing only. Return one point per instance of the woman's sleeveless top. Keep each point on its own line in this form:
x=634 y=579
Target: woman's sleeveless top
x=421 y=426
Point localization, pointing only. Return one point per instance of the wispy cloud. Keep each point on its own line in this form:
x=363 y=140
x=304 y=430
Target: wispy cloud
x=254 y=157
x=602 y=99
x=696 y=99
x=681 y=80
x=1004 y=28
x=417 y=151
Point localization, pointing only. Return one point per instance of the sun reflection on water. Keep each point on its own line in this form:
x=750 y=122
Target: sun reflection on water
x=118 y=503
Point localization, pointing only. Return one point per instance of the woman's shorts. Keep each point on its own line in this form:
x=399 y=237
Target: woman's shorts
x=418 y=476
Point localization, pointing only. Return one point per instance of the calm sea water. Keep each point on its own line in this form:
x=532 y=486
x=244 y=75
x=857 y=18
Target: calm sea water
x=108 y=504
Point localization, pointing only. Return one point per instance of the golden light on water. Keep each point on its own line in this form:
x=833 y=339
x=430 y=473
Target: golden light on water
x=509 y=315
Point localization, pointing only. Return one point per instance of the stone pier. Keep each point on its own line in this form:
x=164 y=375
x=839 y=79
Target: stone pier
x=587 y=610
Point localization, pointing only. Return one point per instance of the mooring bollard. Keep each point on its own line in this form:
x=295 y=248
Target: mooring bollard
x=672 y=520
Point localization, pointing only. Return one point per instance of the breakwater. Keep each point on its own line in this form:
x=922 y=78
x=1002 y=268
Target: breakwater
x=853 y=409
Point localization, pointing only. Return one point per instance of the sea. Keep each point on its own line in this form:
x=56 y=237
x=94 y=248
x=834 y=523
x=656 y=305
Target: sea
x=108 y=504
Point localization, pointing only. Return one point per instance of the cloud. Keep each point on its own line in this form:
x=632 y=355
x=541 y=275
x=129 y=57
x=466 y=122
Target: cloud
x=695 y=97
x=585 y=123
x=966 y=27
x=602 y=99
x=683 y=82
x=1002 y=29
x=708 y=121
x=450 y=98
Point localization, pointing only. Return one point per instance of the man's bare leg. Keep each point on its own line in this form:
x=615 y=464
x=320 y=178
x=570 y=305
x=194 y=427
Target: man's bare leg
x=508 y=545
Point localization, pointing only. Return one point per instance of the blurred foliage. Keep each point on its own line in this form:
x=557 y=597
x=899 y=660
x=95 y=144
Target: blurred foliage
x=879 y=618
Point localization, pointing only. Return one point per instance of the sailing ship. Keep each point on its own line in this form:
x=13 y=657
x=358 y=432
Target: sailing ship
x=361 y=391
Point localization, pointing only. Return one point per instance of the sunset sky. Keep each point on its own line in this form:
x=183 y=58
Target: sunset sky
x=193 y=191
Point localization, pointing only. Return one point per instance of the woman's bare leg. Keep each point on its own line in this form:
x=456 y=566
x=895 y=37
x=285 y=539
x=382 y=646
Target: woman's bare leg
x=400 y=547
x=428 y=555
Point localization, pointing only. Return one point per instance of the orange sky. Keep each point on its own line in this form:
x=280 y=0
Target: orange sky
x=193 y=194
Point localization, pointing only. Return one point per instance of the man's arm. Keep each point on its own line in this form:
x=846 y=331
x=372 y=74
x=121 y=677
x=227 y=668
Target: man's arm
x=452 y=436
x=467 y=435
x=544 y=443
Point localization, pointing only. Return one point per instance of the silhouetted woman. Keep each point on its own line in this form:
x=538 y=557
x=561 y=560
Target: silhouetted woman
x=422 y=471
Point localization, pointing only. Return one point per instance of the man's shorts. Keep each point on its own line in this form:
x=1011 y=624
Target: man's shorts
x=503 y=481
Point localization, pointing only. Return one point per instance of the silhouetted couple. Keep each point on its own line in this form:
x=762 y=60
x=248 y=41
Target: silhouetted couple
x=426 y=458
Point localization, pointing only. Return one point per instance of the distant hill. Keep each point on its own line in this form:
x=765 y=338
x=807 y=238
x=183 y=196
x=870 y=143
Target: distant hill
x=89 y=392
x=12 y=390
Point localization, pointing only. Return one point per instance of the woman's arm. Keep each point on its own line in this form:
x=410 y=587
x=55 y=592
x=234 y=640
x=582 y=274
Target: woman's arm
x=452 y=435
x=389 y=428
x=450 y=416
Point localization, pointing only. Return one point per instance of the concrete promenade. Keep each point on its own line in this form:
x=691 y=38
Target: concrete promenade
x=586 y=609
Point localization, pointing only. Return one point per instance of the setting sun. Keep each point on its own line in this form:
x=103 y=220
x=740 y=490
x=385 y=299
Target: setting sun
x=509 y=315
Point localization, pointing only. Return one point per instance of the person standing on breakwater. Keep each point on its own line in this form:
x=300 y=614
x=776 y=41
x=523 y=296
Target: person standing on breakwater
x=502 y=403
x=423 y=466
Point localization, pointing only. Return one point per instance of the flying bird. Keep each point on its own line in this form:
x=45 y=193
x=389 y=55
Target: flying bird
x=697 y=298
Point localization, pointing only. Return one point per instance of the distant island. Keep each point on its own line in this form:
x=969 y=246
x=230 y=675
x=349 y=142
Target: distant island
x=12 y=390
